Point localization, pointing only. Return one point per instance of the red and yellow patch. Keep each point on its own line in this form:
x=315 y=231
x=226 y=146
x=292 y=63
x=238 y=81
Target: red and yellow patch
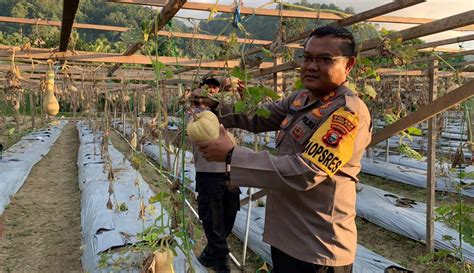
x=317 y=113
x=329 y=96
x=342 y=124
x=332 y=145
x=297 y=103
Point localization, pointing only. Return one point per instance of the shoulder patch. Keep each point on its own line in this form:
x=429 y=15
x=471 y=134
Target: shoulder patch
x=331 y=146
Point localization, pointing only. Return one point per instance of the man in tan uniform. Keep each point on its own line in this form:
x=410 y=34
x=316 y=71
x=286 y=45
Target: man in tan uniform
x=311 y=182
x=217 y=204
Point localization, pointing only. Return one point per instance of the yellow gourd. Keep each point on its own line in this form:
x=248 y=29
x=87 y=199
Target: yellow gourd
x=16 y=105
x=50 y=103
x=204 y=127
x=163 y=261
x=134 y=140
x=142 y=103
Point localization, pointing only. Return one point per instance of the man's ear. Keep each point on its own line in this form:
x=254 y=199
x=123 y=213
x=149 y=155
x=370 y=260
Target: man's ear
x=350 y=64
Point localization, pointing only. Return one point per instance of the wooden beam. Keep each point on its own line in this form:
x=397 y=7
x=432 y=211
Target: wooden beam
x=286 y=13
x=166 y=15
x=407 y=34
x=218 y=38
x=69 y=13
x=366 y=15
x=440 y=50
x=448 y=23
x=44 y=54
x=431 y=171
x=444 y=56
x=255 y=196
x=197 y=36
x=425 y=112
x=459 y=39
x=275 y=69
x=41 y=22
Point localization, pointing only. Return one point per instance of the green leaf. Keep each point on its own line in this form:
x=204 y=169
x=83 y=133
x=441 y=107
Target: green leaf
x=159 y=197
x=169 y=74
x=239 y=106
x=11 y=131
x=157 y=65
x=447 y=238
x=298 y=84
x=266 y=52
x=263 y=112
x=414 y=131
x=238 y=73
x=267 y=92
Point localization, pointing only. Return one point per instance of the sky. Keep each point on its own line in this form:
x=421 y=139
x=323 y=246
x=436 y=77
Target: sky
x=435 y=9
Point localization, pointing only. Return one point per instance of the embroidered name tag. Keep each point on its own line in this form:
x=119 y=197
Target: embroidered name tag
x=331 y=146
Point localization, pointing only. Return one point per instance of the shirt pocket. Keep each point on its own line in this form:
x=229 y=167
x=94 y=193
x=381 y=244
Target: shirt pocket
x=300 y=131
x=284 y=124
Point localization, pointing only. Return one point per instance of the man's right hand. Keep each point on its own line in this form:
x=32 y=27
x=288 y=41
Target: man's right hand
x=233 y=84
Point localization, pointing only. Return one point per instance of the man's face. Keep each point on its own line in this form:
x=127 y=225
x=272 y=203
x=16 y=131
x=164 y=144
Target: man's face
x=213 y=89
x=325 y=67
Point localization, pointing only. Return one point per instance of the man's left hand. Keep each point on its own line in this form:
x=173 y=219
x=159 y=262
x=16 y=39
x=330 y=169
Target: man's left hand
x=216 y=150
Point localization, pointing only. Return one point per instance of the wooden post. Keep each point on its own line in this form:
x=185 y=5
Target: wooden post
x=278 y=78
x=32 y=109
x=471 y=134
x=431 y=175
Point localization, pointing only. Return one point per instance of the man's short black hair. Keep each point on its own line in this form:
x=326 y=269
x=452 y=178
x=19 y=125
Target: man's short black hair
x=348 y=48
x=208 y=81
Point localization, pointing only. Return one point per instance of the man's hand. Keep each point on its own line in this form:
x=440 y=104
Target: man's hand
x=216 y=150
x=233 y=84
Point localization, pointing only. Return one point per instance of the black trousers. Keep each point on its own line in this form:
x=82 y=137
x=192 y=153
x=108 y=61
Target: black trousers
x=217 y=208
x=284 y=263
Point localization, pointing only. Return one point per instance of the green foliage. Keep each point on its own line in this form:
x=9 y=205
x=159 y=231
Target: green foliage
x=466 y=175
x=406 y=150
x=298 y=85
x=161 y=70
x=240 y=73
x=160 y=197
x=252 y=104
x=414 y=131
x=89 y=11
x=459 y=216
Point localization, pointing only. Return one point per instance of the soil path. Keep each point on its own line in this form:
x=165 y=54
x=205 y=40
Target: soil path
x=42 y=226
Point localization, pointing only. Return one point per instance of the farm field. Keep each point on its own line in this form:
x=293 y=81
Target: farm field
x=141 y=136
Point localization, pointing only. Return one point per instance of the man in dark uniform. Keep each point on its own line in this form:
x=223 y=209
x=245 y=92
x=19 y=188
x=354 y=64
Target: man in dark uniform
x=217 y=204
x=311 y=182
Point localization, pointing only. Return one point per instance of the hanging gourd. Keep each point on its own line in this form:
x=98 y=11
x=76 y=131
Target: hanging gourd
x=205 y=126
x=134 y=140
x=161 y=261
x=13 y=91
x=50 y=103
x=142 y=103
x=230 y=94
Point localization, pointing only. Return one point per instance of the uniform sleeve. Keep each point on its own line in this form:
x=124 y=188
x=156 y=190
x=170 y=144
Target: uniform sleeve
x=263 y=170
x=337 y=145
x=256 y=124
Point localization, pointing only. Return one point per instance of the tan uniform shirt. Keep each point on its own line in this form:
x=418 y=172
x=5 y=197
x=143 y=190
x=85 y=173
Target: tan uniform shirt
x=310 y=213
